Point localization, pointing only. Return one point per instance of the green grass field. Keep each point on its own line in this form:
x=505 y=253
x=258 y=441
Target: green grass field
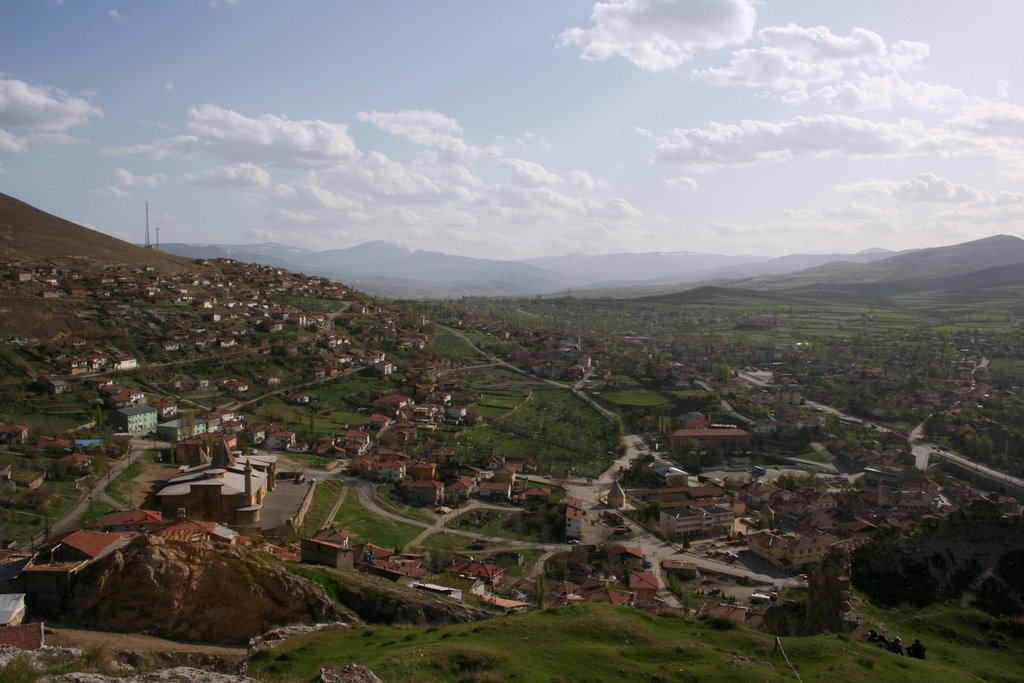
x=324 y=498
x=635 y=397
x=602 y=643
x=366 y=526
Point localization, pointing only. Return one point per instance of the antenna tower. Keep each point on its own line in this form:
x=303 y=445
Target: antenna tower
x=147 y=225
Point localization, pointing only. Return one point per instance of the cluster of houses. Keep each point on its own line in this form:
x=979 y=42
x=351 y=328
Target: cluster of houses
x=619 y=575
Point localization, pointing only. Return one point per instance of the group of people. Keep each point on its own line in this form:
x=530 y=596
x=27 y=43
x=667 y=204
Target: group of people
x=896 y=645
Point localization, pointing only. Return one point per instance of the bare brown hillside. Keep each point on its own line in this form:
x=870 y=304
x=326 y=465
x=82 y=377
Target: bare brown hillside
x=27 y=233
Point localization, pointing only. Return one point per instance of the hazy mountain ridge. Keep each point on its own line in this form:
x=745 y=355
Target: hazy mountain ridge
x=387 y=269
x=921 y=264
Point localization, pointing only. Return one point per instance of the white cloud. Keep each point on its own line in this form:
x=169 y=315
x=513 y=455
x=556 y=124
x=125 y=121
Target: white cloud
x=923 y=187
x=1002 y=89
x=131 y=180
x=111 y=191
x=682 y=182
x=793 y=56
x=429 y=129
x=660 y=34
x=11 y=143
x=34 y=107
x=855 y=72
x=530 y=174
x=290 y=216
x=751 y=142
x=235 y=175
x=992 y=119
x=310 y=195
x=277 y=140
x=115 y=15
x=582 y=180
x=265 y=139
x=929 y=187
x=169 y=86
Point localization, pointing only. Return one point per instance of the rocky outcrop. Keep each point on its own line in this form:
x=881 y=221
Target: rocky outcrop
x=379 y=601
x=353 y=673
x=829 y=593
x=181 y=674
x=949 y=560
x=192 y=592
x=981 y=560
x=829 y=604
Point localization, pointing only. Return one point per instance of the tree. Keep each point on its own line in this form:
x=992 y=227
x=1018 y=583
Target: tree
x=721 y=372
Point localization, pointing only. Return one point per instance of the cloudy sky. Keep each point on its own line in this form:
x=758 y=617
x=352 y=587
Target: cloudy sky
x=519 y=129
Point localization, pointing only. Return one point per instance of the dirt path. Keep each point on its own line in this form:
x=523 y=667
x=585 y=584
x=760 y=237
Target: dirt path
x=90 y=640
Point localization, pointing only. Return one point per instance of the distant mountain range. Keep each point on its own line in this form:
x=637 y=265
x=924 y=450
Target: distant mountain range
x=386 y=269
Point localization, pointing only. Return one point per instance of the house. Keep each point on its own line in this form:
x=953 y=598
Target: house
x=47 y=577
x=645 y=585
x=422 y=491
x=697 y=521
x=52 y=385
x=329 y=547
x=423 y=470
x=489 y=573
x=575 y=511
x=124 y=361
x=536 y=494
x=134 y=420
x=791 y=552
x=74 y=464
x=708 y=437
x=734 y=614
x=180 y=429
x=495 y=490
x=13 y=434
x=280 y=440
x=623 y=559
x=130 y=520
x=234 y=386
x=462 y=487
x=168 y=409
x=390 y=470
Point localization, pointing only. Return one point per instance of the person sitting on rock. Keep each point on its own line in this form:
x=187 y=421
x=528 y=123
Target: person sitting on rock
x=895 y=646
x=916 y=650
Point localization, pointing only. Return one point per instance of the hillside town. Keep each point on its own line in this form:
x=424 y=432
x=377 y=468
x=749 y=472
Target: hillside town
x=719 y=511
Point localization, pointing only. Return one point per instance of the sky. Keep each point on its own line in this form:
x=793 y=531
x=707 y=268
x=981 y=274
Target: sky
x=522 y=128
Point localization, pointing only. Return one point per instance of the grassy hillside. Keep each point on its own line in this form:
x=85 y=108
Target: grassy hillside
x=601 y=643
x=34 y=235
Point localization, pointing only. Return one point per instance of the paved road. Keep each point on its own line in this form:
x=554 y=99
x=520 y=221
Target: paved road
x=69 y=520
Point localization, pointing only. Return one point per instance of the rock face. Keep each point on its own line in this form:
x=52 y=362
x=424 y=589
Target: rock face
x=829 y=606
x=981 y=559
x=192 y=592
x=179 y=674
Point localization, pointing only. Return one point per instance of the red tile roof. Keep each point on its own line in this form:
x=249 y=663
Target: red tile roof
x=128 y=517
x=91 y=543
x=23 y=636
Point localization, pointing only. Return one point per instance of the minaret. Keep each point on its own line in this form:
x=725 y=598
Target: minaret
x=147 y=226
